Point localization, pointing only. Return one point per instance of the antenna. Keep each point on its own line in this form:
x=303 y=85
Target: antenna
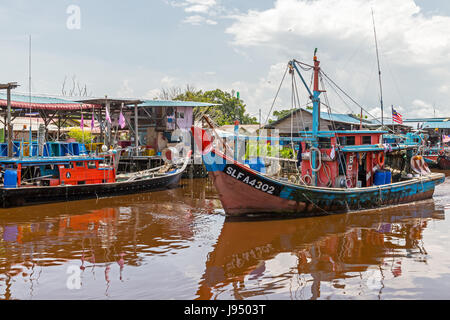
x=29 y=93
x=379 y=71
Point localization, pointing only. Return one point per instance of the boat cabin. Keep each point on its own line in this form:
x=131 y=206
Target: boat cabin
x=346 y=159
x=55 y=171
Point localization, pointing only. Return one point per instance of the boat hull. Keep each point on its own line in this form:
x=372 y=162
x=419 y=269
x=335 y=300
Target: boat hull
x=444 y=163
x=244 y=191
x=37 y=195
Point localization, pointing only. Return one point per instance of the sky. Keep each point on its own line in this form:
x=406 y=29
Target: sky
x=135 y=48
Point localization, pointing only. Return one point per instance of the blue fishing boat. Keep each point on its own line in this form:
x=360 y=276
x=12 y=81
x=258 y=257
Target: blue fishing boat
x=36 y=180
x=341 y=171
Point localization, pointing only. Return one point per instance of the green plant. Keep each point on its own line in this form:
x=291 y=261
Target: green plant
x=77 y=134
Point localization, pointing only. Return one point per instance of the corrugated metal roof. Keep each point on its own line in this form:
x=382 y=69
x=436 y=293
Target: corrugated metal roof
x=175 y=103
x=386 y=122
x=43 y=103
x=438 y=125
x=335 y=117
x=340 y=117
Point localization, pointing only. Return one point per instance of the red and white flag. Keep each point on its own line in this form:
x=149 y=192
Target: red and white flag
x=396 y=117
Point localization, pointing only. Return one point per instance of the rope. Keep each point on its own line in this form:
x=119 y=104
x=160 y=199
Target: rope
x=278 y=91
x=348 y=96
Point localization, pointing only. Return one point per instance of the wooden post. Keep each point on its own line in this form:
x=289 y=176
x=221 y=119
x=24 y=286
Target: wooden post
x=136 y=128
x=10 y=142
x=100 y=120
x=108 y=124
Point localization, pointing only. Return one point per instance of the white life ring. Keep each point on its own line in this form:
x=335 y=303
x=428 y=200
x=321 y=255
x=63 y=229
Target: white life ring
x=320 y=159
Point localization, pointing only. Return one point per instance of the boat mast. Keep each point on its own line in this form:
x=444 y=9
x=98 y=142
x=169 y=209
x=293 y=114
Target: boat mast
x=379 y=71
x=315 y=117
x=316 y=111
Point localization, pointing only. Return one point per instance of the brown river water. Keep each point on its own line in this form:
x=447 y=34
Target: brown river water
x=177 y=244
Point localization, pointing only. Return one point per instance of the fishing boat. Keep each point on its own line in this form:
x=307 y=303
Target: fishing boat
x=444 y=162
x=341 y=171
x=36 y=180
x=437 y=157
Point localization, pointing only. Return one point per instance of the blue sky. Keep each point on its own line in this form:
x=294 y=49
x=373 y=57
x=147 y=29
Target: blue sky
x=135 y=48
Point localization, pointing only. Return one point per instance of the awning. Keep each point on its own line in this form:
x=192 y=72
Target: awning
x=43 y=103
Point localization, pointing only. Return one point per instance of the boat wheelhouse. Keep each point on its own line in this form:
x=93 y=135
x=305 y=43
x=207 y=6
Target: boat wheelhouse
x=56 y=171
x=353 y=158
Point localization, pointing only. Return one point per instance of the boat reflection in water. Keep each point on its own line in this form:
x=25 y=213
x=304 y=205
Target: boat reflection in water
x=108 y=235
x=295 y=258
x=173 y=245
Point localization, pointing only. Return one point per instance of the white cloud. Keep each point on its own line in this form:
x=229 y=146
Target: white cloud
x=401 y=27
x=194 y=20
x=414 y=48
x=210 y=22
x=202 y=11
x=199 y=8
x=125 y=90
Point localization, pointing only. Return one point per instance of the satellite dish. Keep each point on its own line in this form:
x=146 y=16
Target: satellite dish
x=104 y=148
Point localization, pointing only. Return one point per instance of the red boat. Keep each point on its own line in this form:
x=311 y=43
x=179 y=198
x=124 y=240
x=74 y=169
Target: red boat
x=341 y=171
x=443 y=162
x=28 y=181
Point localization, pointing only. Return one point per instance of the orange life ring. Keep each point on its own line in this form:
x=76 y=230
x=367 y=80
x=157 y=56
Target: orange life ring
x=381 y=159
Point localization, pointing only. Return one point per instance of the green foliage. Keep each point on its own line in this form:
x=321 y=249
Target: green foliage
x=282 y=113
x=229 y=109
x=77 y=134
x=267 y=150
x=279 y=114
x=261 y=149
x=287 y=153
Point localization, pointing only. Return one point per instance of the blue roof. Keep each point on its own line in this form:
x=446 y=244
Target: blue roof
x=174 y=103
x=340 y=117
x=36 y=99
x=436 y=125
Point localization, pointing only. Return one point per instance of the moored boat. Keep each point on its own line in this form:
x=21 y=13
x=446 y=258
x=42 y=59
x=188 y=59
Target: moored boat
x=352 y=161
x=443 y=162
x=29 y=181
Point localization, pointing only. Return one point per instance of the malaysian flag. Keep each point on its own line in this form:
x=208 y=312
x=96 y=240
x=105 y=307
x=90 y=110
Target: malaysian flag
x=396 y=117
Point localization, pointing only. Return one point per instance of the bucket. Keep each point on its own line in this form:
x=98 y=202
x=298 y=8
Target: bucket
x=379 y=178
x=388 y=177
x=10 y=180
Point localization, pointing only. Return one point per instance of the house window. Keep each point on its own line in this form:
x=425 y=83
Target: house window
x=80 y=164
x=346 y=141
x=366 y=140
x=180 y=115
x=350 y=141
x=92 y=165
x=324 y=143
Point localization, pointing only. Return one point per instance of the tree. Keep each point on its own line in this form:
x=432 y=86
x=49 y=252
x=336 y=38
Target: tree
x=280 y=114
x=228 y=110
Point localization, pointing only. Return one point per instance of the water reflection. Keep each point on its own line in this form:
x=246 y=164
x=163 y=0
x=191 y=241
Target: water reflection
x=174 y=245
x=255 y=259
x=98 y=234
